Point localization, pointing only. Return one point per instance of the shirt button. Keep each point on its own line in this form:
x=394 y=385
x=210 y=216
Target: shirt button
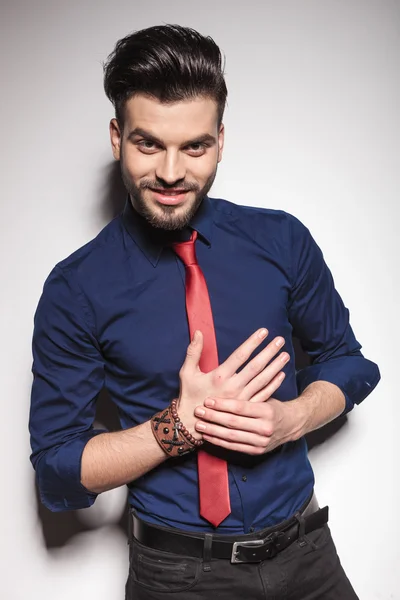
x=244 y=478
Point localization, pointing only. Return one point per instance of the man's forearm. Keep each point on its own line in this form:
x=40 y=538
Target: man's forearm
x=110 y=460
x=320 y=403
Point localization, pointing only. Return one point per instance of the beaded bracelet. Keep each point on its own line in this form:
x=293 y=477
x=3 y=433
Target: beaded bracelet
x=173 y=437
x=184 y=431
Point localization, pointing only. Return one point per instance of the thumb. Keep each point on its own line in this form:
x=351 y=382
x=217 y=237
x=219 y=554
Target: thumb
x=194 y=350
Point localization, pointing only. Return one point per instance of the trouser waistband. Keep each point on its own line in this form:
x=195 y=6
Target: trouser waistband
x=253 y=547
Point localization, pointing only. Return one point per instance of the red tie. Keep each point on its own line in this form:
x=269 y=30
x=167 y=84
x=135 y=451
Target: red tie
x=213 y=472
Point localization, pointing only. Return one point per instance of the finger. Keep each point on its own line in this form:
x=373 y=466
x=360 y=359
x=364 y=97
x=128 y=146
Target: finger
x=232 y=435
x=207 y=416
x=194 y=350
x=258 y=366
x=242 y=354
x=237 y=447
x=266 y=393
x=254 y=410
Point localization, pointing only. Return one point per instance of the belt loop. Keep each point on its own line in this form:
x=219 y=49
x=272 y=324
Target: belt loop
x=302 y=524
x=207 y=551
x=130 y=525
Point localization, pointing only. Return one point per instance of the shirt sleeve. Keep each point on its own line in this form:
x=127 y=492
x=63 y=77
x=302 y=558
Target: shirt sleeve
x=321 y=323
x=68 y=374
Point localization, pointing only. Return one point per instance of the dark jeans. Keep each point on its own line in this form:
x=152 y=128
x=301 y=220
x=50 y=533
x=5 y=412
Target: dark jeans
x=309 y=569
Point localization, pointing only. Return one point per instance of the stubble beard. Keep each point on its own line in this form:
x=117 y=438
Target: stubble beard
x=168 y=218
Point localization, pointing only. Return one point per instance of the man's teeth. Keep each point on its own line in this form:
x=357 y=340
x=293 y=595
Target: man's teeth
x=170 y=193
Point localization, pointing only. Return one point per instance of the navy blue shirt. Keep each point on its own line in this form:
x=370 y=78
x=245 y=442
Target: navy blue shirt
x=113 y=314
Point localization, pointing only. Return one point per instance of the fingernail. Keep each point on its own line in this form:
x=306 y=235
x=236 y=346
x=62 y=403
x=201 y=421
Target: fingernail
x=200 y=412
x=209 y=402
x=262 y=333
x=279 y=342
x=194 y=338
x=285 y=357
x=200 y=426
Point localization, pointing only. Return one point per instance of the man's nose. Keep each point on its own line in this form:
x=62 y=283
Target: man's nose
x=171 y=168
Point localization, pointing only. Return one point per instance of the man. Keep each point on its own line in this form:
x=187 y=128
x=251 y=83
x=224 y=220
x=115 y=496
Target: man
x=212 y=443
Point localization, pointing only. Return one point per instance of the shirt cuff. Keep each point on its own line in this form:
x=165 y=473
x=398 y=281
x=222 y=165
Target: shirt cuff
x=59 y=475
x=355 y=376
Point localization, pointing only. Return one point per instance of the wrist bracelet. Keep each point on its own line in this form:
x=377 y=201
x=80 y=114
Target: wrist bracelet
x=183 y=430
x=173 y=437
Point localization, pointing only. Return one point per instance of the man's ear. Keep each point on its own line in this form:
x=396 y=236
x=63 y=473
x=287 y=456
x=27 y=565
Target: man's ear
x=116 y=138
x=221 y=138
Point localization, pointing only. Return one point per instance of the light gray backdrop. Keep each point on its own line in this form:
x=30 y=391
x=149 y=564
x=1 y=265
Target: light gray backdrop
x=312 y=127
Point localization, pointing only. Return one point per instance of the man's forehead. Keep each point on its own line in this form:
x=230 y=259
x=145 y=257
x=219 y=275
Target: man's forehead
x=197 y=114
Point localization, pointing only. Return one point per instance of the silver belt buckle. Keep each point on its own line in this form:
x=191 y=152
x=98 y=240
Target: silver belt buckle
x=270 y=542
x=235 y=552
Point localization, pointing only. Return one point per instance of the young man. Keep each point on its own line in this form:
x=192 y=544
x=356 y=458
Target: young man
x=212 y=443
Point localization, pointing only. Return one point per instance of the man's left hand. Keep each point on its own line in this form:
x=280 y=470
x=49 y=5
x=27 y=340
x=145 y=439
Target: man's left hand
x=249 y=427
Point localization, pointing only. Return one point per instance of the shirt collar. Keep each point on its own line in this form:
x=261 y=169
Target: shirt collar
x=152 y=241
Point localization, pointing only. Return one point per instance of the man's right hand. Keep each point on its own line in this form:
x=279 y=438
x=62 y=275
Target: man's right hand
x=113 y=459
x=256 y=382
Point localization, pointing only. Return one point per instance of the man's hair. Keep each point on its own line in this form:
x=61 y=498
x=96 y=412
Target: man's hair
x=167 y=62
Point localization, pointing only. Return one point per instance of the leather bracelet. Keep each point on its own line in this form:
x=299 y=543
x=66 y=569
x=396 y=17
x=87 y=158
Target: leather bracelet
x=171 y=434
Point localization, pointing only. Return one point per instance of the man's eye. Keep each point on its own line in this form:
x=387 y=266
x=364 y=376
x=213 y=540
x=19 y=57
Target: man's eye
x=197 y=148
x=150 y=147
x=147 y=145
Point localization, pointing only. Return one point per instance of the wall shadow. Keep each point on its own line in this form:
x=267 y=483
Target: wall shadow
x=59 y=528
x=112 y=192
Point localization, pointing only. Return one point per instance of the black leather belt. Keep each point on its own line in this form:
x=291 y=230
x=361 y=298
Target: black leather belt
x=254 y=547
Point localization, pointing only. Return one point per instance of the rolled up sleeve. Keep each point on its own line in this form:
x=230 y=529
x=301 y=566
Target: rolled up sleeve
x=68 y=374
x=320 y=321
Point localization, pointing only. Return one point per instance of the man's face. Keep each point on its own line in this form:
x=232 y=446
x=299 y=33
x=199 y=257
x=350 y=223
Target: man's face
x=169 y=155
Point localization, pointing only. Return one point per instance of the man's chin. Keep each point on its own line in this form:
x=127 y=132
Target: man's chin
x=171 y=218
x=168 y=217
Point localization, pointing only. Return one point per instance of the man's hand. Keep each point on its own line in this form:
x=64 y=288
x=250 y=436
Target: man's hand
x=253 y=428
x=256 y=428
x=255 y=383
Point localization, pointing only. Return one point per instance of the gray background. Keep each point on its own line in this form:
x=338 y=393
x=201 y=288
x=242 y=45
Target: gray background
x=312 y=127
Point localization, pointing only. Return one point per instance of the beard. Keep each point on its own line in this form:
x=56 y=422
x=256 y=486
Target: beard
x=168 y=218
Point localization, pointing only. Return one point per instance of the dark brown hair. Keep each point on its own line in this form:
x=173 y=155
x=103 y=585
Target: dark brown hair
x=167 y=62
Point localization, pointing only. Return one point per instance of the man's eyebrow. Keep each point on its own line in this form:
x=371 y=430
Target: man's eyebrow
x=201 y=139
x=138 y=131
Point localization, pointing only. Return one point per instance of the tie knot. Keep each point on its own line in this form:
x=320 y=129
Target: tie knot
x=186 y=250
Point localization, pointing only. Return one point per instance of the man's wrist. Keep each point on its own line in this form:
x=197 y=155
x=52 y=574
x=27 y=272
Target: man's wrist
x=297 y=415
x=171 y=434
x=320 y=403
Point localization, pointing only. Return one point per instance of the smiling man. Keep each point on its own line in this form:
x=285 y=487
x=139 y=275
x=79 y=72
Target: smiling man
x=184 y=307
x=151 y=160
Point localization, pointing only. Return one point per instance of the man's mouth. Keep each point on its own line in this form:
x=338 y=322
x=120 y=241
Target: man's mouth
x=170 y=196
x=168 y=192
